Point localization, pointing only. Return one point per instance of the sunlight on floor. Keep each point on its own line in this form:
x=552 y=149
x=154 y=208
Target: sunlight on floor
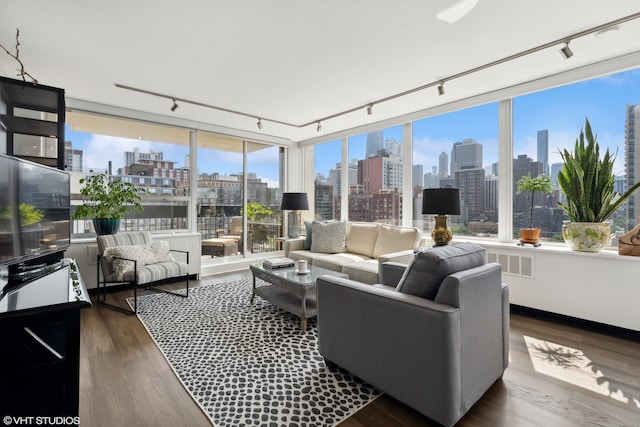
x=574 y=367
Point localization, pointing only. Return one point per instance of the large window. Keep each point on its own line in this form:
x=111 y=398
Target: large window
x=148 y=155
x=546 y=122
x=264 y=193
x=375 y=161
x=236 y=210
x=228 y=226
x=327 y=170
x=459 y=150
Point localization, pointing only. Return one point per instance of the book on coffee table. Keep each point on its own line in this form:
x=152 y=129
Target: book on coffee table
x=280 y=262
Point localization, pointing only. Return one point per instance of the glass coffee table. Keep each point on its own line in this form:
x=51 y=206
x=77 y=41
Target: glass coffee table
x=290 y=291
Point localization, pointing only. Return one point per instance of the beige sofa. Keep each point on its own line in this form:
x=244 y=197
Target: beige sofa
x=365 y=246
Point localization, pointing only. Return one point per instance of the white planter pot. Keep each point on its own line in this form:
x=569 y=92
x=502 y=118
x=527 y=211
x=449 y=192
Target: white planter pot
x=586 y=236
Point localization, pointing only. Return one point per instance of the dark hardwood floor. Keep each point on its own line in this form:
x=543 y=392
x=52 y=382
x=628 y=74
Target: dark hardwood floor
x=558 y=376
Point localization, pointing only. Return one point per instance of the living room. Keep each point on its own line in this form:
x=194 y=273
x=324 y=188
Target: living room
x=232 y=124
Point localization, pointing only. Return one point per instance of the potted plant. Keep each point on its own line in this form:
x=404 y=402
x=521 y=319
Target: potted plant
x=107 y=201
x=256 y=214
x=541 y=184
x=587 y=181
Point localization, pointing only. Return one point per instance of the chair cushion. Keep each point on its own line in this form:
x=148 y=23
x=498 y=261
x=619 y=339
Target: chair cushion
x=329 y=237
x=154 y=272
x=361 y=237
x=150 y=253
x=429 y=267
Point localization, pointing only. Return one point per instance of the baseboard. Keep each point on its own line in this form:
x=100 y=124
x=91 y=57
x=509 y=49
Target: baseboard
x=628 y=334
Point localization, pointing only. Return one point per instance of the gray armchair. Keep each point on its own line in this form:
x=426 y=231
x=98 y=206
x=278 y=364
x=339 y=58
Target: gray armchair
x=439 y=355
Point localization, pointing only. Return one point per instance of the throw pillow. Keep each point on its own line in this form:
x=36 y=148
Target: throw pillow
x=307 y=239
x=428 y=268
x=329 y=237
x=151 y=253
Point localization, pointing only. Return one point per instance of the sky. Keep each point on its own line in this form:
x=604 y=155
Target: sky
x=562 y=111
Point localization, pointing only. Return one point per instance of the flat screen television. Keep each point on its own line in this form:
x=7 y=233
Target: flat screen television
x=34 y=212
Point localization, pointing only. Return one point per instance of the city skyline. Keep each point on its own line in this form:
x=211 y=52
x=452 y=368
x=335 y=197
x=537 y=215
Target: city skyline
x=561 y=111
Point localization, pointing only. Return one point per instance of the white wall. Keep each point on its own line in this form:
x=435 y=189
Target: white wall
x=85 y=252
x=603 y=287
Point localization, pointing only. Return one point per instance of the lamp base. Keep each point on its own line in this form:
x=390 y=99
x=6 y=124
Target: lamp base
x=441 y=235
x=293 y=228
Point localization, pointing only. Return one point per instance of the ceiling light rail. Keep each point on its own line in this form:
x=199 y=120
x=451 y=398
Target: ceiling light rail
x=565 y=51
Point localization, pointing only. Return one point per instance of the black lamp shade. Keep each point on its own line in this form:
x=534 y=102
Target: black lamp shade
x=294 y=202
x=441 y=201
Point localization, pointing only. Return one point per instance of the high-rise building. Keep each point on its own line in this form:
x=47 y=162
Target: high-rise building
x=466 y=155
x=543 y=150
x=491 y=193
x=393 y=147
x=134 y=156
x=522 y=166
x=431 y=180
x=335 y=176
x=73 y=158
x=375 y=143
x=417 y=177
x=555 y=169
x=382 y=172
x=472 y=190
x=443 y=165
x=632 y=161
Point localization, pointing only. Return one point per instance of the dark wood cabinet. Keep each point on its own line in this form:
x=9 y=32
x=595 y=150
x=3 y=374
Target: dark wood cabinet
x=32 y=121
x=40 y=346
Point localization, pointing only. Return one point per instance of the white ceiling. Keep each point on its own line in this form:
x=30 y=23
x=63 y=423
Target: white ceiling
x=297 y=61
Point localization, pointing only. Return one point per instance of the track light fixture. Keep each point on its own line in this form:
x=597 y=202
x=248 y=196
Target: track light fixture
x=565 y=51
x=369 y=109
x=319 y=128
x=259 y=123
x=441 y=89
x=175 y=105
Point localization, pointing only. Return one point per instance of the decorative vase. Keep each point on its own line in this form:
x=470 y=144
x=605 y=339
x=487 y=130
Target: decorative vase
x=586 y=236
x=530 y=235
x=105 y=226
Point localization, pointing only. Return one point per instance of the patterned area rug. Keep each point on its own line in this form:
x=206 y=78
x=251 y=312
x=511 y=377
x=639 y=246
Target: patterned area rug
x=249 y=364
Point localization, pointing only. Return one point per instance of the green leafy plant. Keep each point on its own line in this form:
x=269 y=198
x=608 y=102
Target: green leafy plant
x=587 y=180
x=541 y=184
x=255 y=209
x=106 y=198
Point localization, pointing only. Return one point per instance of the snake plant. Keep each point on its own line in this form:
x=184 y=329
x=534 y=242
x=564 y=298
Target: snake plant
x=588 y=181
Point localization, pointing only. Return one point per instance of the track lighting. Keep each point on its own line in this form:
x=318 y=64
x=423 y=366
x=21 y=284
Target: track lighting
x=369 y=109
x=175 y=105
x=566 y=51
x=259 y=123
x=319 y=128
x=441 y=89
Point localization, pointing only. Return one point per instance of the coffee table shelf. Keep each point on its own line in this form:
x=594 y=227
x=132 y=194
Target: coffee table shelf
x=288 y=290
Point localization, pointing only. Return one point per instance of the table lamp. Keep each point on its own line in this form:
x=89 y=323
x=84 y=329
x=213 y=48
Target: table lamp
x=294 y=203
x=441 y=202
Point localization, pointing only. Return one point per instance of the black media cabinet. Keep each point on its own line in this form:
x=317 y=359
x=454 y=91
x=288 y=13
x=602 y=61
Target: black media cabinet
x=40 y=346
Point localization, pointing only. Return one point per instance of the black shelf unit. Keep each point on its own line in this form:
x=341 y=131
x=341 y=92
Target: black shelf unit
x=32 y=121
